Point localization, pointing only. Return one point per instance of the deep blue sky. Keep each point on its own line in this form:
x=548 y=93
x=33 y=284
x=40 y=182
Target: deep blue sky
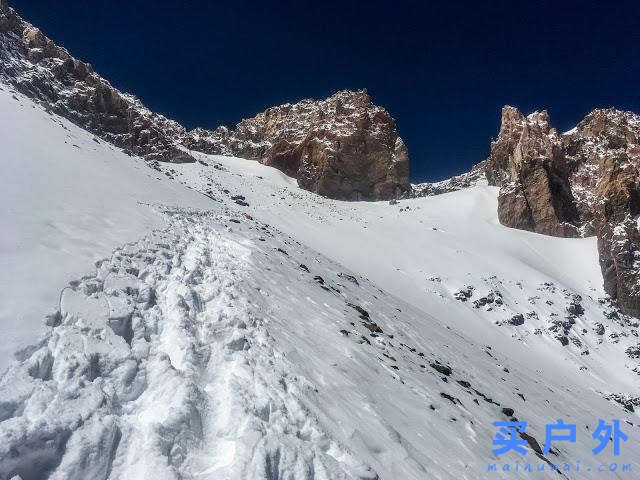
x=443 y=69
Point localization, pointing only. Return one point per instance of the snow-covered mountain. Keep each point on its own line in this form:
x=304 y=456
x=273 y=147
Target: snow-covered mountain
x=170 y=313
x=213 y=320
x=342 y=147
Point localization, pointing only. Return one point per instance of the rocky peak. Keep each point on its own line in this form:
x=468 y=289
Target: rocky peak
x=342 y=147
x=527 y=162
x=583 y=182
x=521 y=140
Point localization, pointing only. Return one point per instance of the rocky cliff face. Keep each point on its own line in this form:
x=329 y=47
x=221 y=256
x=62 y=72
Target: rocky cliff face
x=343 y=147
x=582 y=182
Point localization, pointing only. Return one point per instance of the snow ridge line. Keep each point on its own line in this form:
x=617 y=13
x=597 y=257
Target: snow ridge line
x=160 y=366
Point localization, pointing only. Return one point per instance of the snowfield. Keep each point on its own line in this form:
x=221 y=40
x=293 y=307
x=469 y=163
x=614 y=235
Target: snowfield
x=213 y=321
x=68 y=200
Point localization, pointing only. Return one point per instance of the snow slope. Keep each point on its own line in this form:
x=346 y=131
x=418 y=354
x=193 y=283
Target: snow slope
x=281 y=335
x=67 y=200
x=426 y=250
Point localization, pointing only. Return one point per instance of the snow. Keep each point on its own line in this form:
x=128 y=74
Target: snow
x=298 y=337
x=67 y=201
x=454 y=236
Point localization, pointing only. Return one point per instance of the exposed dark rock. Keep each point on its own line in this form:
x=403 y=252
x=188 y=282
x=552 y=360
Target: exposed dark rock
x=633 y=351
x=363 y=313
x=451 y=398
x=575 y=309
x=492 y=298
x=373 y=327
x=516 y=320
x=443 y=369
x=508 y=411
x=464 y=293
x=348 y=277
x=627 y=401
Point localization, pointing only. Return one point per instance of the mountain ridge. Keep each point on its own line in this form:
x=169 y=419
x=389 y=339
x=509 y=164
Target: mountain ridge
x=342 y=147
x=245 y=328
x=573 y=184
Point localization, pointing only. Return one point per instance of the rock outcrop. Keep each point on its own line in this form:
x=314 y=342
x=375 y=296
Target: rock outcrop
x=583 y=182
x=528 y=163
x=343 y=147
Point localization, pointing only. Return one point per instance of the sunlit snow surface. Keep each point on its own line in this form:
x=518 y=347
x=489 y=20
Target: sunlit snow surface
x=293 y=338
x=67 y=201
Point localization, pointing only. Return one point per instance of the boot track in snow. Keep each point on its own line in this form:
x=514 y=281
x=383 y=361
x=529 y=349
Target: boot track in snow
x=160 y=366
